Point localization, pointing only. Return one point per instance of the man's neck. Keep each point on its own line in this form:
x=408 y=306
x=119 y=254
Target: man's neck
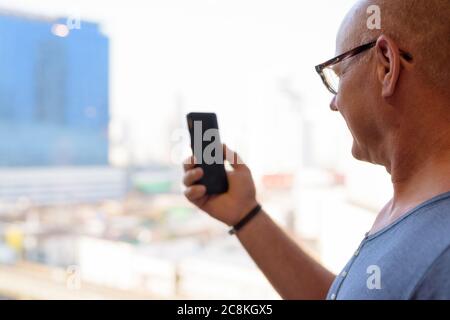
x=415 y=180
x=419 y=161
x=429 y=179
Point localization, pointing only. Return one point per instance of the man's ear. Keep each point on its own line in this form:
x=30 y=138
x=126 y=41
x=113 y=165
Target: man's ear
x=388 y=64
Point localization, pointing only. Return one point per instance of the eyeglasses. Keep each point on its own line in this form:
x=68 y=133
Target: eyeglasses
x=329 y=76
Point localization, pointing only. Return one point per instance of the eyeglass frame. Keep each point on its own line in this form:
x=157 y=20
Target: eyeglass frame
x=346 y=55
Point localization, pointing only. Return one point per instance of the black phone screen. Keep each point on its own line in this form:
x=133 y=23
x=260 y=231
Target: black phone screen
x=207 y=149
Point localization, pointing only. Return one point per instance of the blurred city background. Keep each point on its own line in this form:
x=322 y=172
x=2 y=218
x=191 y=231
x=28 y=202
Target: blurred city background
x=93 y=98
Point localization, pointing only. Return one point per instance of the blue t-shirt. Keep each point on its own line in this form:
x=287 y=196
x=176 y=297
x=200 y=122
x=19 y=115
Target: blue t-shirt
x=409 y=259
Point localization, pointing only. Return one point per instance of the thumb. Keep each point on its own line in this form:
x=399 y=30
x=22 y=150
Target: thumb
x=233 y=158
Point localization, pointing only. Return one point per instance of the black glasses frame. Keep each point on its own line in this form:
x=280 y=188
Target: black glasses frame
x=347 y=55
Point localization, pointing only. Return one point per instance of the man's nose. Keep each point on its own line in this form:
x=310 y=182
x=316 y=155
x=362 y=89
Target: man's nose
x=333 y=105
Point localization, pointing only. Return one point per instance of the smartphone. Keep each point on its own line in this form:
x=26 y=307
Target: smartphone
x=208 y=151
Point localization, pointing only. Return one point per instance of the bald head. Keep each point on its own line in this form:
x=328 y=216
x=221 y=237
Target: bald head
x=421 y=27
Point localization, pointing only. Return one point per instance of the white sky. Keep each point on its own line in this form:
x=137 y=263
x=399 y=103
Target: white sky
x=228 y=57
x=224 y=56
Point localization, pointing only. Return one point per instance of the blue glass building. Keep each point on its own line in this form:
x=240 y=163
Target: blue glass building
x=53 y=93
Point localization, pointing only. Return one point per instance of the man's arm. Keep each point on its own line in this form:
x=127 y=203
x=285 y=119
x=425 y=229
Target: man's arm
x=290 y=270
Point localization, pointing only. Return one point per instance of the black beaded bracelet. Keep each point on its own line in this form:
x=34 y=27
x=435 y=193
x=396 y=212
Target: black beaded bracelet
x=249 y=216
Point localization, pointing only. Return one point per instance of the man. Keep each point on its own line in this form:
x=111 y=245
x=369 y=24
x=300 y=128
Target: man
x=394 y=94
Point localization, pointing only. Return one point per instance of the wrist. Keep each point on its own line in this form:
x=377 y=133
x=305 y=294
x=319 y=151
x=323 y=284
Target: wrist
x=241 y=211
x=251 y=215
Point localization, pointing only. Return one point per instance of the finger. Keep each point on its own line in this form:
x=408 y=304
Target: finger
x=189 y=163
x=191 y=176
x=194 y=193
x=233 y=158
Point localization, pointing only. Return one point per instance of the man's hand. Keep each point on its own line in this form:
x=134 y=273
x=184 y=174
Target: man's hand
x=291 y=271
x=229 y=207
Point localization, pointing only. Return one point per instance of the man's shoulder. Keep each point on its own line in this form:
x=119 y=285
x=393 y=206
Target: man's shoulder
x=431 y=218
x=439 y=203
x=429 y=247
x=435 y=282
x=411 y=258
x=426 y=232
x=420 y=244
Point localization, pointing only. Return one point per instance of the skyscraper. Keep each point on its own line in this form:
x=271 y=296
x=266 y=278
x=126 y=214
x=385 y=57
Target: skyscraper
x=53 y=92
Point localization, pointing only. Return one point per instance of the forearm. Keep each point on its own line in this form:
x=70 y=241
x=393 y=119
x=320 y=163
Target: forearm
x=290 y=270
